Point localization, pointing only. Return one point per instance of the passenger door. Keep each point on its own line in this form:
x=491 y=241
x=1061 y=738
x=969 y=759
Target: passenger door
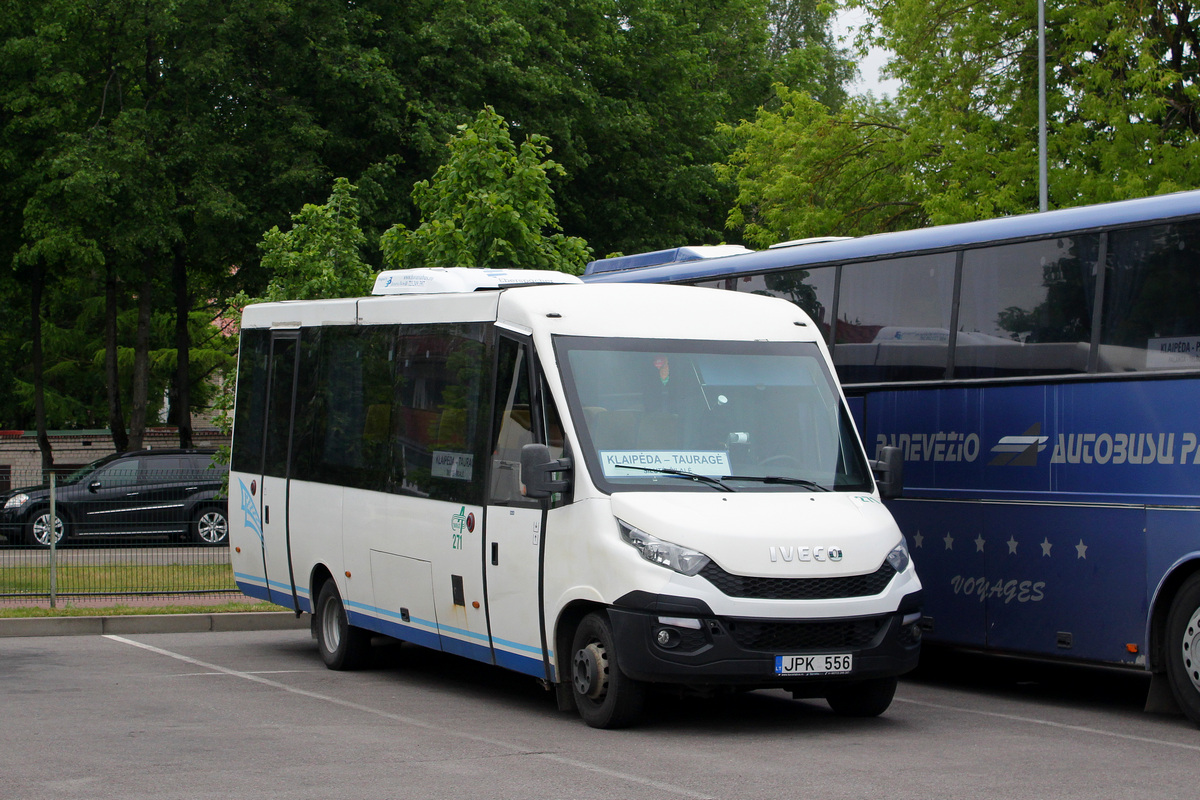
x=513 y=527
x=273 y=495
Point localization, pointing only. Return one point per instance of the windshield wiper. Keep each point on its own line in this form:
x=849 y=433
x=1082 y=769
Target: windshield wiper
x=780 y=479
x=716 y=483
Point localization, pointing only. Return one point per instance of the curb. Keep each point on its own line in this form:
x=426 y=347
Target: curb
x=153 y=623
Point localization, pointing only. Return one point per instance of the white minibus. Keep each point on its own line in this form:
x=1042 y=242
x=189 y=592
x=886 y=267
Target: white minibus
x=607 y=487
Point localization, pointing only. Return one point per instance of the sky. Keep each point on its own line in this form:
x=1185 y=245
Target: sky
x=845 y=25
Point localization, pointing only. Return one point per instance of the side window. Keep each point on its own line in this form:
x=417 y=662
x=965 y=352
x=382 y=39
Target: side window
x=438 y=420
x=1026 y=308
x=120 y=473
x=893 y=319
x=1151 y=314
x=162 y=469
x=251 y=406
x=513 y=423
x=811 y=289
x=279 y=406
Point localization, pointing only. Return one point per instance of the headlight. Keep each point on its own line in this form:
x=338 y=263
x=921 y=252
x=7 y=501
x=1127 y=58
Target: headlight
x=17 y=500
x=665 y=554
x=899 y=558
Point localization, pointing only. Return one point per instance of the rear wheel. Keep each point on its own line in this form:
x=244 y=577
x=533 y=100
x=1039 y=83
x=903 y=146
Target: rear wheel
x=604 y=696
x=868 y=698
x=37 y=530
x=1183 y=648
x=342 y=645
x=210 y=527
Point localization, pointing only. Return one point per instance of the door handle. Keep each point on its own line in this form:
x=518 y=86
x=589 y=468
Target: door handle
x=495 y=554
x=266 y=515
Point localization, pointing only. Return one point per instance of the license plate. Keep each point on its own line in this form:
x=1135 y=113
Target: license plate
x=814 y=665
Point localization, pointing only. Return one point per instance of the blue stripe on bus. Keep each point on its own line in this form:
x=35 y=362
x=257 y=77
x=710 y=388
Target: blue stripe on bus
x=426 y=633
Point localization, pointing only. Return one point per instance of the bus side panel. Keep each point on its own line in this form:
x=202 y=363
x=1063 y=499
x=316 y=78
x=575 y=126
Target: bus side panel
x=1172 y=536
x=1063 y=580
x=315 y=518
x=947 y=562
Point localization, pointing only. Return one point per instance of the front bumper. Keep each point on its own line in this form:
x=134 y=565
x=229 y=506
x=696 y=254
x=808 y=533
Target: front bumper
x=732 y=651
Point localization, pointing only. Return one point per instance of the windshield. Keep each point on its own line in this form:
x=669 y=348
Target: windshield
x=698 y=415
x=84 y=471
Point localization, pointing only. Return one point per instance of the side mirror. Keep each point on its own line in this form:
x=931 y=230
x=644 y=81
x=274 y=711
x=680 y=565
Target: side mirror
x=889 y=472
x=537 y=467
x=93 y=486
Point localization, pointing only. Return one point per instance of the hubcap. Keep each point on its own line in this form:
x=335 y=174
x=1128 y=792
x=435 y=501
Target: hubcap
x=591 y=671
x=331 y=626
x=1191 y=649
x=41 y=529
x=212 y=527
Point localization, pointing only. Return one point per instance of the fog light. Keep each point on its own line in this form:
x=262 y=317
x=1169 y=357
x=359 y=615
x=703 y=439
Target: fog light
x=667 y=638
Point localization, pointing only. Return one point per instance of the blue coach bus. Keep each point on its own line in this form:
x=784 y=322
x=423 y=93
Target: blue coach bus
x=1041 y=374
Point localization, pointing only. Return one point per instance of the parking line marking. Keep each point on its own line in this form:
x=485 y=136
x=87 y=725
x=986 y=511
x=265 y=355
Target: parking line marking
x=249 y=676
x=1050 y=724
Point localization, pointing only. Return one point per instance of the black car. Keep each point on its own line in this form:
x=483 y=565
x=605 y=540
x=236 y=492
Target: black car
x=172 y=493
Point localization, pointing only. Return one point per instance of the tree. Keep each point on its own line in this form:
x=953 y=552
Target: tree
x=490 y=205
x=960 y=140
x=321 y=255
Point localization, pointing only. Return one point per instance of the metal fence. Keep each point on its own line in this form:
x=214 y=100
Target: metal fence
x=134 y=530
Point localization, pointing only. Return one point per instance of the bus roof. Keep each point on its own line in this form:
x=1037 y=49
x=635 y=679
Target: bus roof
x=1147 y=210
x=461 y=279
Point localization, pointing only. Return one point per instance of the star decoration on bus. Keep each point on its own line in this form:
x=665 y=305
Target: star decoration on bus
x=1046 y=547
x=979 y=543
x=1012 y=546
x=1081 y=549
x=949 y=540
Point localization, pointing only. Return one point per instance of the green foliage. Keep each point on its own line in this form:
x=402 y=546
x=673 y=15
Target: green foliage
x=959 y=142
x=490 y=205
x=321 y=255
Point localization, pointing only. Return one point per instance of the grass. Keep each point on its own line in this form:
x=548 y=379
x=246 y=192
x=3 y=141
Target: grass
x=66 y=609
x=118 y=578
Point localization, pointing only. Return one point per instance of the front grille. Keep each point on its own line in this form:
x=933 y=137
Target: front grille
x=824 y=635
x=799 y=588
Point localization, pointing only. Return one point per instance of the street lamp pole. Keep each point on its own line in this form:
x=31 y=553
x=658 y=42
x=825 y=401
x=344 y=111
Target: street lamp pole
x=1043 y=191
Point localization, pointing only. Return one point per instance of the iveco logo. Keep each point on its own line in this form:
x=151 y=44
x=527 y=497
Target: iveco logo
x=805 y=553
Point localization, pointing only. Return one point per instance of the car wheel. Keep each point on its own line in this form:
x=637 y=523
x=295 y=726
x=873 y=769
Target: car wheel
x=868 y=698
x=604 y=696
x=210 y=527
x=1183 y=648
x=37 y=530
x=342 y=645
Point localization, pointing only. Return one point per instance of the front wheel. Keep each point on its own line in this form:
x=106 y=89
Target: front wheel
x=210 y=527
x=37 y=530
x=342 y=646
x=868 y=698
x=1183 y=648
x=604 y=696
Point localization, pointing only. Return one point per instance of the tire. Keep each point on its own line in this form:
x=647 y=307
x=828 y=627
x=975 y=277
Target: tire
x=1183 y=648
x=210 y=527
x=604 y=696
x=37 y=530
x=342 y=646
x=868 y=698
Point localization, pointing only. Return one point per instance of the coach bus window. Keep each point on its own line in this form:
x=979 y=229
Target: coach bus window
x=893 y=319
x=1152 y=299
x=1026 y=308
x=811 y=289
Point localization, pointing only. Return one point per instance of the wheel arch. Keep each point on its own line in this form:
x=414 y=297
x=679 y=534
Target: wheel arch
x=1160 y=607
x=564 y=632
x=317 y=578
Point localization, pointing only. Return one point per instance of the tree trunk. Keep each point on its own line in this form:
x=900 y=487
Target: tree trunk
x=181 y=405
x=140 y=390
x=39 y=395
x=112 y=374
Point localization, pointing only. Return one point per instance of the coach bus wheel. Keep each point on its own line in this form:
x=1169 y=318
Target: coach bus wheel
x=1183 y=648
x=868 y=698
x=37 y=530
x=210 y=527
x=604 y=696
x=342 y=646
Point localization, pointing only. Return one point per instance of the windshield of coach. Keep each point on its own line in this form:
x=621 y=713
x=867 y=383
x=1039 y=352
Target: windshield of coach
x=754 y=416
